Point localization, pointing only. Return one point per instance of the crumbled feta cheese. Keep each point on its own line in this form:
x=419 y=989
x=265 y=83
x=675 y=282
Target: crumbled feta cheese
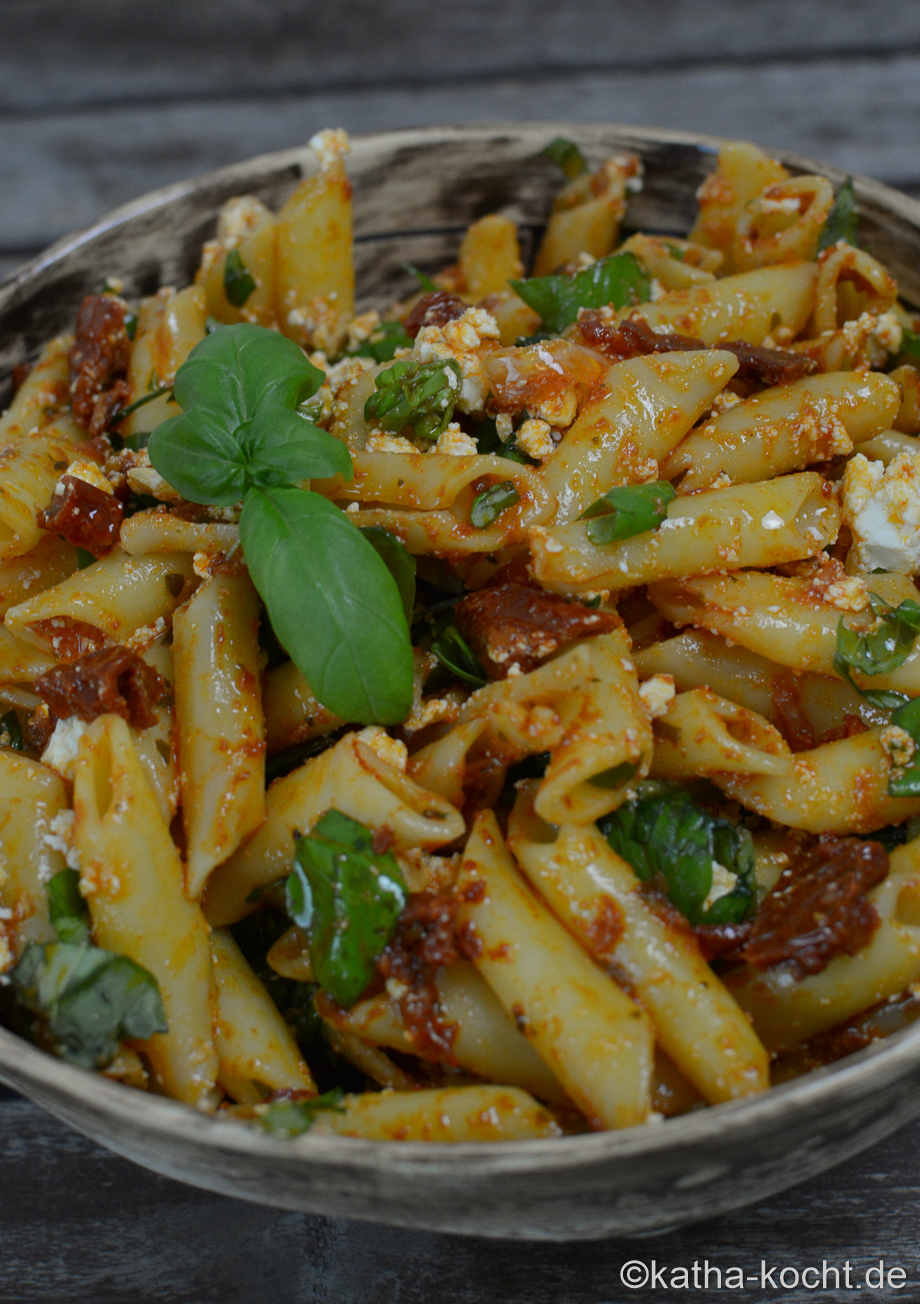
x=778 y=204
x=378 y=441
x=60 y=838
x=850 y=594
x=898 y=745
x=395 y=988
x=359 y=328
x=329 y=145
x=63 y=745
x=239 y=218
x=504 y=426
x=455 y=442
x=388 y=749
x=772 y=521
x=656 y=694
x=353 y=507
x=143 y=479
x=882 y=508
x=888 y=332
x=656 y=290
x=723 y=882
x=725 y=400
x=461 y=340
x=535 y=439
x=88 y=472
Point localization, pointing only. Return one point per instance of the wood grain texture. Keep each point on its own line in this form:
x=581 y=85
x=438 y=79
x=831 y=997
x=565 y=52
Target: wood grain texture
x=77 y=1222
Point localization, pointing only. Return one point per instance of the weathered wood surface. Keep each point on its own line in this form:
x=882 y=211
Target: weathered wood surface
x=104 y=100
x=79 y=1224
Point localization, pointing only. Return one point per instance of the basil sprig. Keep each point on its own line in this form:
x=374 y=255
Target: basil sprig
x=879 y=651
x=348 y=898
x=628 y=510
x=615 y=281
x=907 y=782
x=88 y=999
x=420 y=395
x=238 y=281
x=666 y=833
x=331 y=600
x=841 y=220
x=567 y=156
x=293 y=1117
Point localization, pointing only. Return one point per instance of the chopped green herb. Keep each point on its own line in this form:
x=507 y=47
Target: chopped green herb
x=11 y=731
x=666 y=833
x=293 y=1117
x=67 y=909
x=348 y=898
x=139 y=403
x=420 y=395
x=617 y=280
x=841 y=220
x=424 y=281
x=489 y=505
x=910 y=347
x=567 y=156
x=238 y=282
x=383 y=342
x=453 y=651
x=331 y=600
x=84 y=559
x=628 y=510
x=907 y=782
x=487 y=441
x=674 y=251
x=880 y=651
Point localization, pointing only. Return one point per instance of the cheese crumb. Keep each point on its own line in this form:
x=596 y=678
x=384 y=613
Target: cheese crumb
x=656 y=694
x=850 y=594
x=329 y=145
x=380 y=442
x=390 y=750
x=898 y=745
x=882 y=508
x=61 y=753
x=89 y=473
x=452 y=440
x=723 y=882
x=461 y=340
x=535 y=439
x=60 y=838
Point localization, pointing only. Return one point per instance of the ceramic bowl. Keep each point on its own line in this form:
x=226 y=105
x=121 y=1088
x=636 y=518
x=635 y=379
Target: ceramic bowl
x=415 y=192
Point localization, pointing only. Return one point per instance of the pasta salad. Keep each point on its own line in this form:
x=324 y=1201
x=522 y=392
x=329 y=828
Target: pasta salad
x=491 y=719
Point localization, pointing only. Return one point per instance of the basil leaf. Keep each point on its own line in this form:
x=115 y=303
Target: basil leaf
x=238 y=283
x=293 y=1117
x=666 y=833
x=487 y=441
x=66 y=907
x=910 y=347
x=489 y=505
x=567 y=156
x=628 y=510
x=398 y=561
x=89 y=999
x=453 y=651
x=617 y=280
x=201 y=459
x=841 y=220
x=332 y=603
x=420 y=395
x=10 y=726
x=282 y=447
x=424 y=281
x=880 y=651
x=355 y=899
x=382 y=343
x=907 y=783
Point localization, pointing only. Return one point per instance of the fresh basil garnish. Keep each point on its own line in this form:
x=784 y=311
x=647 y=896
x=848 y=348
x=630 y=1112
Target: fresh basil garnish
x=89 y=1000
x=332 y=602
x=10 y=726
x=488 y=506
x=420 y=395
x=666 y=833
x=238 y=282
x=398 y=561
x=293 y=1117
x=628 y=510
x=880 y=651
x=615 y=281
x=567 y=156
x=453 y=652
x=348 y=898
x=907 y=782
x=382 y=343
x=487 y=441
x=841 y=220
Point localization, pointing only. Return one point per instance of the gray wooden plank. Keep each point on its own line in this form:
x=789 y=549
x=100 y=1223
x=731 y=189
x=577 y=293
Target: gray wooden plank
x=56 y=53
x=78 y=1222
x=61 y=171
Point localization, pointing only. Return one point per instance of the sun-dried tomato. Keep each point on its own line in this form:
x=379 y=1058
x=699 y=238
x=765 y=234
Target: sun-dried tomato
x=425 y=939
x=434 y=309
x=516 y=625
x=719 y=941
x=110 y=680
x=818 y=906
x=99 y=360
x=85 y=515
x=791 y=719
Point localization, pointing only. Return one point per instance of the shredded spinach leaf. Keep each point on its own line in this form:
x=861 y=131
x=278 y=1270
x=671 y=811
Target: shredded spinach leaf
x=628 y=510
x=841 y=220
x=617 y=280
x=567 y=156
x=420 y=395
x=238 y=282
x=293 y=1117
x=668 y=834
x=489 y=505
x=348 y=898
x=880 y=651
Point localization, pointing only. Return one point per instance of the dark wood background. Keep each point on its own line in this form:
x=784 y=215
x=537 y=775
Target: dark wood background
x=101 y=100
